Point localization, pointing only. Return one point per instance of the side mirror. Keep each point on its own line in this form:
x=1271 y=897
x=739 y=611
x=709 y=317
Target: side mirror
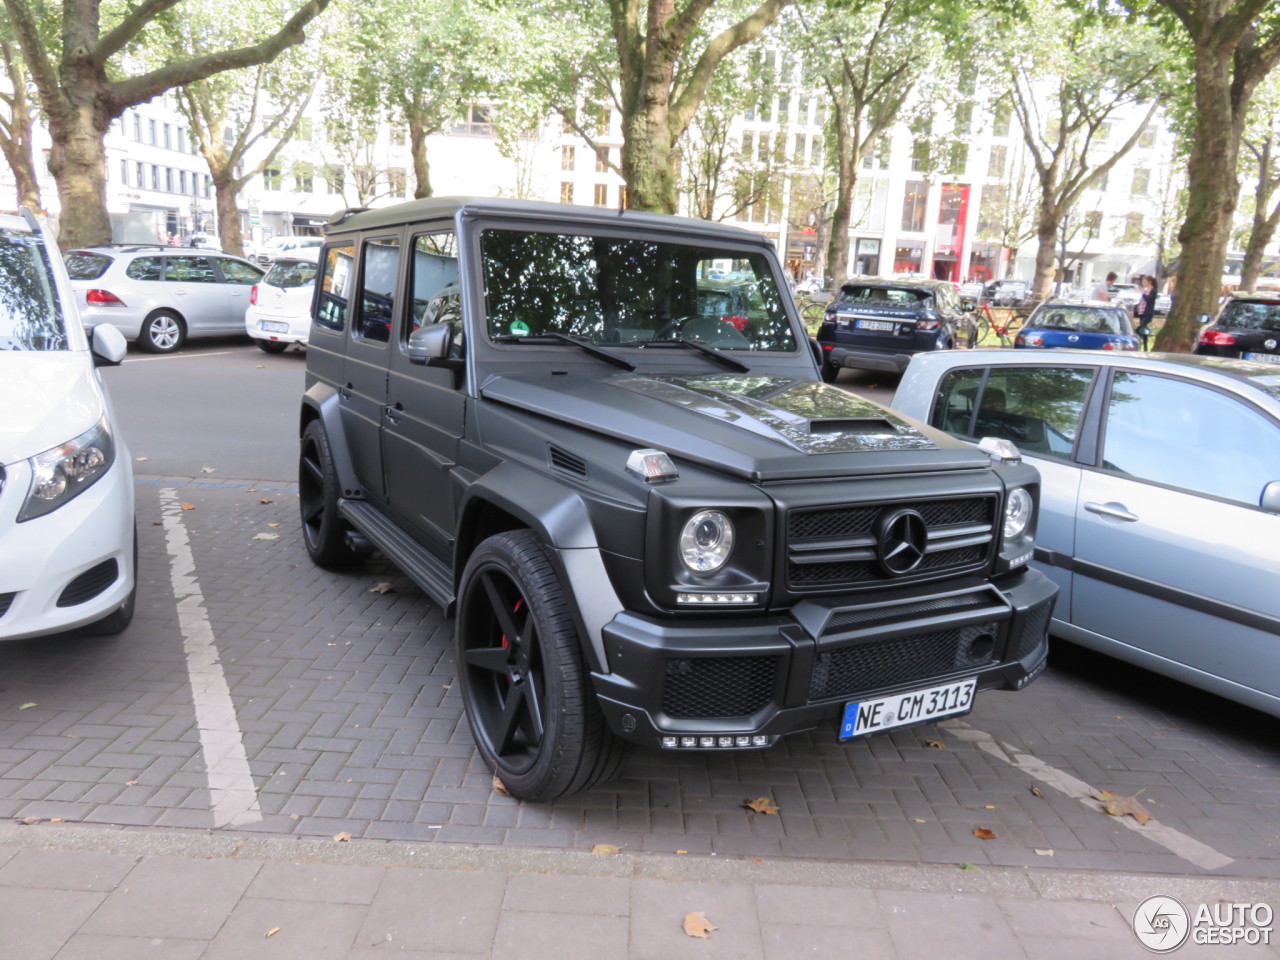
x=107 y=344
x=430 y=343
x=1270 y=499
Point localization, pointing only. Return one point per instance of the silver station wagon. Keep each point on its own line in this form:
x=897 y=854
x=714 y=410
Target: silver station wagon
x=1160 y=503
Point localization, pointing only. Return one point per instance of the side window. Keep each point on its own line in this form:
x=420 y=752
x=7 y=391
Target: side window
x=437 y=296
x=335 y=287
x=233 y=271
x=378 y=294
x=1038 y=408
x=1189 y=436
x=189 y=270
x=145 y=268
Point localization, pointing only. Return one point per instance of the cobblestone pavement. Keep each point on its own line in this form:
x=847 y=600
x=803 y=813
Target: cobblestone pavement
x=351 y=722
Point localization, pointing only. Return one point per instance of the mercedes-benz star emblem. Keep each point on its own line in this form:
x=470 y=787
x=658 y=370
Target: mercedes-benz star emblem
x=902 y=538
x=1269 y=344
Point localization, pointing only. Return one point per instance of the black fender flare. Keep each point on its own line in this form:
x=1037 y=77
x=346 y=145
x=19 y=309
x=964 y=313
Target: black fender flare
x=322 y=402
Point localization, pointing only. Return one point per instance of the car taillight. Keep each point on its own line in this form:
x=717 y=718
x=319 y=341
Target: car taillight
x=1029 y=340
x=253 y=295
x=1108 y=345
x=739 y=322
x=102 y=296
x=1217 y=338
x=830 y=314
x=927 y=324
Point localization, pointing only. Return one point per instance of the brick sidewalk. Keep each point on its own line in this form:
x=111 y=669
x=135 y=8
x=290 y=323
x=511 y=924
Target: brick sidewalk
x=351 y=722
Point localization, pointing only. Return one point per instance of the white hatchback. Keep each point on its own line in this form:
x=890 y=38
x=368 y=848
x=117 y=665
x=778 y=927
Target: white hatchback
x=280 y=304
x=67 y=539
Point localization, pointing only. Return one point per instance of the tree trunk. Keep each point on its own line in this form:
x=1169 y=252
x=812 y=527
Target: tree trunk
x=78 y=164
x=1047 y=224
x=418 y=150
x=17 y=151
x=226 y=194
x=846 y=191
x=646 y=156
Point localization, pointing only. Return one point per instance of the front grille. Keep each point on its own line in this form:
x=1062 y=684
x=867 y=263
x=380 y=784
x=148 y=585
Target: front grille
x=90 y=583
x=719 y=687
x=864 y=667
x=956 y=605
x=5 y=600
x=832 y=547
x=1034 y=623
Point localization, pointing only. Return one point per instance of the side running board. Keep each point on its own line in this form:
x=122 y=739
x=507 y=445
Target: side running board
x=418 y=564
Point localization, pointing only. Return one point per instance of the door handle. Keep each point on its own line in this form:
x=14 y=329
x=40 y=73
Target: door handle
x=344 y=393
x=1117 y=511
x=393 y=413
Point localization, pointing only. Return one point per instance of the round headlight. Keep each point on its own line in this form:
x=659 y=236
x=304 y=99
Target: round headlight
x=1017 y=513
x=706 y=541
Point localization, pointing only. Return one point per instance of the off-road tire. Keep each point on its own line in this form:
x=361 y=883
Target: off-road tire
x=324 y=533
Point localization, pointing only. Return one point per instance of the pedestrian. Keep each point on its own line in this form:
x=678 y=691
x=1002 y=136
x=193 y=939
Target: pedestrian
x=1144 y=311
x=1100 y=289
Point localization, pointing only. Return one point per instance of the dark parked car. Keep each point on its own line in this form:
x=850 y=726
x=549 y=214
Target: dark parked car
x=881 y=324
x=649 y=525
x=1079 y=324
x=1248 y=326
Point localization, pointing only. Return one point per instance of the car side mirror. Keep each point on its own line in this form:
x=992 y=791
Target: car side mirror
x=107 y=344
x=1270 y=499
x=430 y=343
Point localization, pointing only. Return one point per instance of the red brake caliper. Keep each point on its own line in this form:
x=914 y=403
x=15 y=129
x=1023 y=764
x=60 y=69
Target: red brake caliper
x=505 y=642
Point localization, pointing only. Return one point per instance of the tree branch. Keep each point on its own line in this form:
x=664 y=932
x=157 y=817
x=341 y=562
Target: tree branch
x=128 y=28
x=28 y=36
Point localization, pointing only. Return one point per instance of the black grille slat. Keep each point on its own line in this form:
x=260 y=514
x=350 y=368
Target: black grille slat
x=90 y=583
x=925 y=657
x=865 y=616
x=718 y=687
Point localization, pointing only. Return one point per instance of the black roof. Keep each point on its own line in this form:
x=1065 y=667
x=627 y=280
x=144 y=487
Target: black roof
x=923 y=283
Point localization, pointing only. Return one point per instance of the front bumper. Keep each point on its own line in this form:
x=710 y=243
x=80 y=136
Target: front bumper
x=765 y=677
x=866 y=358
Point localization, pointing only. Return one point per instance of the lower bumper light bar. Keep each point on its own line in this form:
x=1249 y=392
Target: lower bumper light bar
x=718 y=741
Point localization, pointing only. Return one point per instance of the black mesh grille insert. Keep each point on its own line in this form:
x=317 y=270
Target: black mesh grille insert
x=1034 y=625
x=864 y=667
x=718 y=687
x=90 y=583
x=5 y=600
x=902 y=611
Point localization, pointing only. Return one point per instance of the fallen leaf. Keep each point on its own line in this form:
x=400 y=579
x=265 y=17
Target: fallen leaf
x=157 y=523
x=208 y=469
x=966 y=866
x=1044 y=853
x=1037 y=792
x=295 y=816
x=761 y=805
x=383 y=587
x=272 y=932
x=759 y=861
x=982 y=833
x=140 y=459
x=991 y=806
x=682 y=851
x=500 y=788
x=265 y=536
x=252 y=490
x=187 y=506
x=131 y=783
x=605 y=848
x=56 y=820
x=1118 y=806
x=697 y=925
x=266 y=500
x=273 y=524
x=446 y=686
x=342 y=837
x=28 y=706
x=29 y=821
x=936 y=744
x=918 y=820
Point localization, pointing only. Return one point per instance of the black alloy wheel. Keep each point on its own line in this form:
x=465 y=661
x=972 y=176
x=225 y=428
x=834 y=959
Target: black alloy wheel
x=323 y=530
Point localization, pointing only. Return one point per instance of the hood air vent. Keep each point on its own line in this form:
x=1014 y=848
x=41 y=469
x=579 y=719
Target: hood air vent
x=561 y=460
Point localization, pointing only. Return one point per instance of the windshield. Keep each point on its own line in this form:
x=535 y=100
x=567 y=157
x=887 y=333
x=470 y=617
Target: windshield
x=1081 y=319
x=911 y=296
x=293 y=273
x=30 y=311
x=612 y=290
x=1251 y=315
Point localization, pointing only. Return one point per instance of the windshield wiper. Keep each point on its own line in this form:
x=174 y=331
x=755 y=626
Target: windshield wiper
x=731 y=362
x=585 y=345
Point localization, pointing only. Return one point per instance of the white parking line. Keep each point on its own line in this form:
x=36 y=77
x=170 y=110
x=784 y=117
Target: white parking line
x=1201 y=855
x=181 y=356
x=234 y=797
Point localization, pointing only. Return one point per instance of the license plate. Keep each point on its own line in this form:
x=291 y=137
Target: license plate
x=1264 y=357
x=871 y=716
x=271 y=326
x=886 y=326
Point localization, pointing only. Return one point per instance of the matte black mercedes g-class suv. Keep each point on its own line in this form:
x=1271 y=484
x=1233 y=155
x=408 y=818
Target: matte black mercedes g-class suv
x=653 y=522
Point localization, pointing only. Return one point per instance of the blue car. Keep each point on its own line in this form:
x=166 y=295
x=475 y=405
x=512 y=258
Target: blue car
x=1079 y=324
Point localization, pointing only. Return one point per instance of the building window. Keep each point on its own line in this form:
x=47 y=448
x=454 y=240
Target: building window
x=182 y=181
x=303 y=178
x=397 y=136
x=907 y=259
x=606 y=121
x=1147 y=140
x=1132 y=228
x=124 y=173
x=271 y=178
x=303 y=131
x=139 y=174
x=964 y=120
x=334 y=179
x=919 y=155
x=151 y=131
x=748 y=146
x=997 y=161
x=168 y=179
x=913 y=204
x=168 y=137
x=155 y=177
x=1001 y=118
x=1141 y=182
x=566 y=191
x=991 y=213
x=602 y=195
x=566 y=157
x=1093 y=224
x=957 y=157
x=602 y=159
x=396 y=182
x=137 y=127
x=1101 y=182
x=478 y=121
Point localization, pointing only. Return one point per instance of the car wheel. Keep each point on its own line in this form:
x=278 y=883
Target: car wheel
x=830 y=373
x=323 y=530
x=163 y=332
x=524 y=684
x=119 y=618
x=272 y=346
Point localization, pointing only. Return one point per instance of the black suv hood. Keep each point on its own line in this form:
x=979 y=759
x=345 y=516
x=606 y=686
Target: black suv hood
x=758 y=427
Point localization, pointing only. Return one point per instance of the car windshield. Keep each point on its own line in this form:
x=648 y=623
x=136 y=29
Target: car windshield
x=294 y=273
x=858 y=293
x=30 y=311
x=1252 y=315
x=1080 y=319
x=86 y=265
x=623 y=290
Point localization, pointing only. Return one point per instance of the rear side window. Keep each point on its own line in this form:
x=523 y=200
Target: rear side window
x=86 y=265
x=294 y=273
x=190 y=270
x=1252 y=315
x=377 y=294
x=335 y=287
x=1038 y=408
x=233 y=271
x=145 y=268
